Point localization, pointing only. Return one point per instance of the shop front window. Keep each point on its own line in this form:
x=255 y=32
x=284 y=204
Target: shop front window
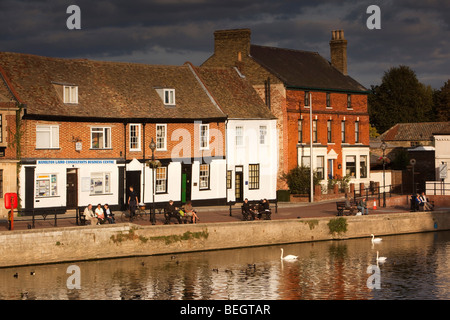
x=46 y=185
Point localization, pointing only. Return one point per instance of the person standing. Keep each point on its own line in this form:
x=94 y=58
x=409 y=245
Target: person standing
x=132 y=202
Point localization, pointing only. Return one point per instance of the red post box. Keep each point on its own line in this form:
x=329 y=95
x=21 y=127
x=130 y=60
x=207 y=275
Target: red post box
x=11 y=200
x=11 y=203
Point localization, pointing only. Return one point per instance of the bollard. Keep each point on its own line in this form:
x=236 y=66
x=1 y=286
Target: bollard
x=11 y=219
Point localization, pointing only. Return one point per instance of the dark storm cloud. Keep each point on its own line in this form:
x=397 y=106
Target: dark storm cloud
x=174 y=31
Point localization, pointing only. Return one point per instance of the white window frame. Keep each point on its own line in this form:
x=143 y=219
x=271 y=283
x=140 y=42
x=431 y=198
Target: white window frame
x=161 y=180
x=204 y=176
x=320 y=166
x=104 y=178
x=106 y=131
x=357 y=132
x=52 y=130
x=262 y=134
x=204 y=141
x=239 y=136
x=42 y=179
x=161 y=142
x=72 y=97
x=169 y=97
x=137 y=129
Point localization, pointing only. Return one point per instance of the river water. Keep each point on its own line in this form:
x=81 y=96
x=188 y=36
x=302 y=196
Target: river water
x=417 y=267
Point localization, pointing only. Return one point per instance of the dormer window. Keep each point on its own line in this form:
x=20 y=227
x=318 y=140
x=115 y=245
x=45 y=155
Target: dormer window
x=70 y=94
x=169 y=97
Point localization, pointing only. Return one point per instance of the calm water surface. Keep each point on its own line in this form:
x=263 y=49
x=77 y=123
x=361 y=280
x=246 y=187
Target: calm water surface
x=417 y=267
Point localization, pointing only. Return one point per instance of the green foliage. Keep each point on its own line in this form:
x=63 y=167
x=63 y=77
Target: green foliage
x=373 y=133
x=299 y=180
x=400 y=98
x=401 y=159
x=341 y=181
x=337 y=225
x=441 y=99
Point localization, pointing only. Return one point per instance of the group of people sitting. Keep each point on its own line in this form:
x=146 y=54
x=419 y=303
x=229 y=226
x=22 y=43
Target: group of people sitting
x=255 y=211
x=421 y=201
x=101 y=214
x=185 y=213
x=358 y=207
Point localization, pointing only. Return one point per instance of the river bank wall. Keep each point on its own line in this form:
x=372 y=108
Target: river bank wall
x=68 y=244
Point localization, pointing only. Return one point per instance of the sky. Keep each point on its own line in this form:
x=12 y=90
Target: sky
x=413 y=33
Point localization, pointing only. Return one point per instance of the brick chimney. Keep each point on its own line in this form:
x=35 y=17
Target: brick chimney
x=338 y=50
x=231 y=46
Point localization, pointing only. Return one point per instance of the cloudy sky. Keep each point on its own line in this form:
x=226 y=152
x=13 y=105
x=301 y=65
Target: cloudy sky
x=413 y=33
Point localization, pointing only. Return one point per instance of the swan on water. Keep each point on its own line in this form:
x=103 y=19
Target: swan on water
x=381 y=259
x=288 y=257
x=375 y=240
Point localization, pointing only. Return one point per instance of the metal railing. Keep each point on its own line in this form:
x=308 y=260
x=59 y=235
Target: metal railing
x=437 y=188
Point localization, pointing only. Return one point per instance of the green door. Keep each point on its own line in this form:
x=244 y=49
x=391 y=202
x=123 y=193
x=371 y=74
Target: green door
x=183 y=187
x=186 y=173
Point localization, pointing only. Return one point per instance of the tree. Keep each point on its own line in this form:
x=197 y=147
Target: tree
x=441 y=99
x=298 y=180
x=400 y=98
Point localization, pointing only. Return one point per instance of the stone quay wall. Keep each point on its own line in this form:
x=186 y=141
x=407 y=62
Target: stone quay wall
x=68 y=244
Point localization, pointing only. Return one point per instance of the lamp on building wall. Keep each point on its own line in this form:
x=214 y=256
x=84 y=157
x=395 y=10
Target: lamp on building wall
x=383 y=147
x=153 y=164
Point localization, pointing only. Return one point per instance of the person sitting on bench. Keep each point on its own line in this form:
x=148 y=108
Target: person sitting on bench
x=171 y=212
x=247 y=210
x=89 y=215
x=427 y=206
x=348 y=205
x=191 y=212
x=264 y=208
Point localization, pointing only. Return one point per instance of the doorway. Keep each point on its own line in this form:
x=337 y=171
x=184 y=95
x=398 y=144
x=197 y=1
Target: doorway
x=186 y=176
x=71 y=188
x=330 y=169
x=238 y=184
x=29 y=187
x=133 y=179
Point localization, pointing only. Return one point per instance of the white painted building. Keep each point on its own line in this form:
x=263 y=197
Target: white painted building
x=251 y=135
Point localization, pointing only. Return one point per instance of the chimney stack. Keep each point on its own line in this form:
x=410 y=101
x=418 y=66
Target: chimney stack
x=338 y=50
x=232 y=46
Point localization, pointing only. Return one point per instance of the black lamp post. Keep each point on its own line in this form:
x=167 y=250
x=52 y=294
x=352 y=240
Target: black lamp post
x=153 y=164
x=383 y=147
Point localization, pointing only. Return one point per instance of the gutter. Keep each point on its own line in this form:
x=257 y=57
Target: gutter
x=290 y=87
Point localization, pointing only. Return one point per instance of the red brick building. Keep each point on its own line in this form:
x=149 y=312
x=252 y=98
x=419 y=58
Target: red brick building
x=292 y=81
x=87 y=126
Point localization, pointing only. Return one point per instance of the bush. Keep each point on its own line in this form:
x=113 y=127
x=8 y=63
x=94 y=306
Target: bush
x=298 y=180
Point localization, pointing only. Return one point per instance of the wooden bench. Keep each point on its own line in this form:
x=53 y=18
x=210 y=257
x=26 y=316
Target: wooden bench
x=232 y=204
x=256 y=209
x=341 y=209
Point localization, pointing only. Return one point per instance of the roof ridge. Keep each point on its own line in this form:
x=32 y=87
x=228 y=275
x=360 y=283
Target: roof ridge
x=63 y=59
x=287 y=49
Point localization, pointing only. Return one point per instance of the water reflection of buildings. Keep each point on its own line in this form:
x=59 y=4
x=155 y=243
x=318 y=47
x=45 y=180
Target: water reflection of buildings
x=418 y=266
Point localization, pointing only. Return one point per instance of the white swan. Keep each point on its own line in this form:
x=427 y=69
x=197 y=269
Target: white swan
x=288 y=257
x=381 y=259
x=375 y=240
